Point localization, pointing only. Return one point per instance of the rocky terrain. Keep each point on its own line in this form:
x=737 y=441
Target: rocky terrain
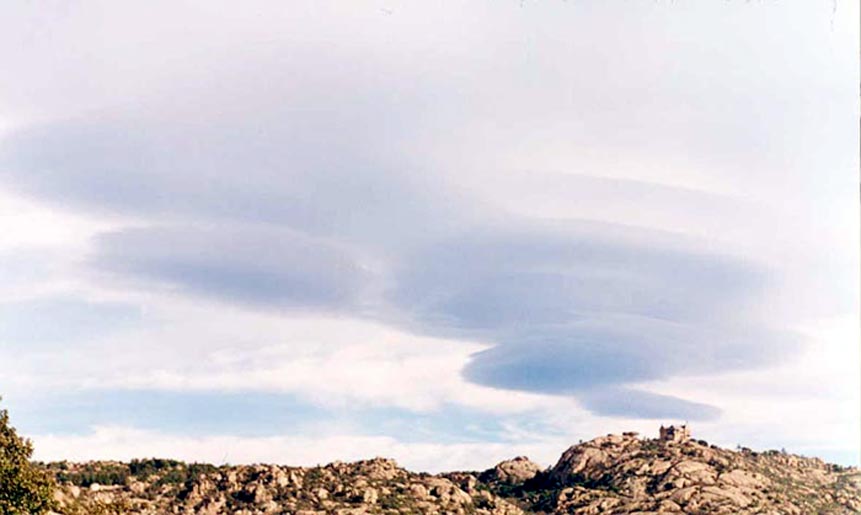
x=610 y=474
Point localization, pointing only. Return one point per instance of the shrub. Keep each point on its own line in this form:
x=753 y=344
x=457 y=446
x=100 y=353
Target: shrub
x=107 y=474
x=147 y=467
x=24 y=488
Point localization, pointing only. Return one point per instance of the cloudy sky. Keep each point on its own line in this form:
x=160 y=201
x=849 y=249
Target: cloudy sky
x=448 y=233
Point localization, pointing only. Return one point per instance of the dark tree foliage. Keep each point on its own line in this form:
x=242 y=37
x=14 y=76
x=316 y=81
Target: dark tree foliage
x=24 y=488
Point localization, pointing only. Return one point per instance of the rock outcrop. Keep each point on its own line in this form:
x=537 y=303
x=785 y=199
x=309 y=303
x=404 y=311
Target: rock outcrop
x=611 y=474
x=372 y=486
x=511 y=472
x=624 y=474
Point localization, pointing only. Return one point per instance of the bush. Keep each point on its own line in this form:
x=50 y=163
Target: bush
x=106 y=474
x=24 y=488
x=143 y=469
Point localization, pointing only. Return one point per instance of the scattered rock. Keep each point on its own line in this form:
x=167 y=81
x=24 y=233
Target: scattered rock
x=611 y=474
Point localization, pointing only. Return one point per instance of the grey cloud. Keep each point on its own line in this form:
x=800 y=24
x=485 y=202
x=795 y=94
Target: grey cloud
x=312 y=139
x=570 y=306
x=491 y=278
x=605 y=349
x=626 y=402
x=571 y=310
x=268 y=267
x=305 y=169
x=288 y=218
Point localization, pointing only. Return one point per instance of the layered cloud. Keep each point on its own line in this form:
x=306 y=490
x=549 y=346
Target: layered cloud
x=519 y=217
x=287 y=223
x=264 y=266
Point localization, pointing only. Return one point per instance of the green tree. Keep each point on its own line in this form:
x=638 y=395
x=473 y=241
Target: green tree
x=24 y=488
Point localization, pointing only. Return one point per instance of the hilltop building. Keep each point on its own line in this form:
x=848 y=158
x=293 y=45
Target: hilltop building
x=675 y=433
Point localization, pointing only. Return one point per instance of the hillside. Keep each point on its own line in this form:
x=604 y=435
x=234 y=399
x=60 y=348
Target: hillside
x=610 y=474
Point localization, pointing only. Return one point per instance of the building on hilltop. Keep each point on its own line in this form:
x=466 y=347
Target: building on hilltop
x=675 y=433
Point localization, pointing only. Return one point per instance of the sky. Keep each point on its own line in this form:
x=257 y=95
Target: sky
x=447 y=233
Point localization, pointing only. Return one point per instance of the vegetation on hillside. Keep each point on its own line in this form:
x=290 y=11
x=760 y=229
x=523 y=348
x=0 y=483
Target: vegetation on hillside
x=614 y=474
x=24 y=487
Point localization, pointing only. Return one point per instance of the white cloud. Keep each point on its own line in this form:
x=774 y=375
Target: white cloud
x=196 y=346
x=128 y=443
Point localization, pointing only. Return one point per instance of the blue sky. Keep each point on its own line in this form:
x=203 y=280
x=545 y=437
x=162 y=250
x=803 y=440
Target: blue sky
x=470 y=231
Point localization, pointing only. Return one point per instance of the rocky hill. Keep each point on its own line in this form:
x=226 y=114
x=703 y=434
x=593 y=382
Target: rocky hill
x=610 y=474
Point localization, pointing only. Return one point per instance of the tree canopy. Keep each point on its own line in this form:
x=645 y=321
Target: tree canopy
x=24 y=488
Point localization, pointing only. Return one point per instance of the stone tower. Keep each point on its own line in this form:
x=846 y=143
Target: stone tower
x=675 y=433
